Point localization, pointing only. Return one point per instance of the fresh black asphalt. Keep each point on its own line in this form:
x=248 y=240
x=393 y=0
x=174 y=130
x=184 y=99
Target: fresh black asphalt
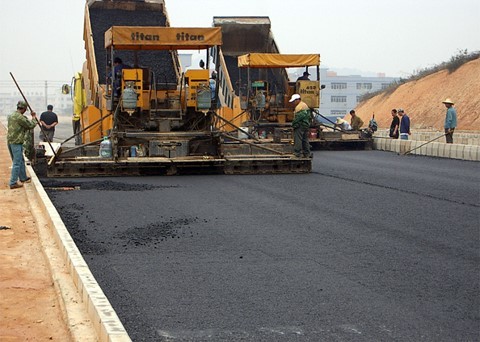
x=371 y=246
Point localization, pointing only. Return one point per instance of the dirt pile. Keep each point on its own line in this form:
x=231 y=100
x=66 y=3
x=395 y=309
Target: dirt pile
x=422 y=100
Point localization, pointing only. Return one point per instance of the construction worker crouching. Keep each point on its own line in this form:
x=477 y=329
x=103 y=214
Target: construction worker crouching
x=343 y=124
x=355 y=122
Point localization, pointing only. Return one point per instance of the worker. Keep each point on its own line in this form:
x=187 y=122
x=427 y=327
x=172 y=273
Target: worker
x=118 y=66
x=343 y=124
x=304 y=77
x=76 y=128
x=78 y=104
x=404 y=124
x=394 y=125
x=48 y=121
x=301 y=127
x=355 y=121
x=18 y=128
x=450 y=120
x=212 y=84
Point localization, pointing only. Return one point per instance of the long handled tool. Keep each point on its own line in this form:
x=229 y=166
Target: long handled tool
x=428 y=142
x=253 y=144
x=31 y=110
x=335 y=127
x=230 y=123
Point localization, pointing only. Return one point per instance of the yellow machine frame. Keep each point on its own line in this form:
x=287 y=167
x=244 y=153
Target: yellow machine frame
x=195 y=79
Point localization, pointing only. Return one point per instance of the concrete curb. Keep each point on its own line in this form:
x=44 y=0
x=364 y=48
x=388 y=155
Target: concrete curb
x=433 y=149
x=104 y=318
x=460 y=137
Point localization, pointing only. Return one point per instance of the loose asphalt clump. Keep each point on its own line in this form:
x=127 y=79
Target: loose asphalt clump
x=71 y=216
x=154 y=233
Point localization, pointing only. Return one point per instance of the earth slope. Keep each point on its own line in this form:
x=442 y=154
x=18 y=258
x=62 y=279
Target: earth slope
x=422 y=99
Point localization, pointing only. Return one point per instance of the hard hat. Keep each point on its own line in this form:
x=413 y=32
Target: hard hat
x=448 y=100
x=294 y=97
x=22 y=104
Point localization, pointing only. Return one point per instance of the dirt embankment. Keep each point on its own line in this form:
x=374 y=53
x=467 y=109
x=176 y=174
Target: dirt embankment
x=422 y=100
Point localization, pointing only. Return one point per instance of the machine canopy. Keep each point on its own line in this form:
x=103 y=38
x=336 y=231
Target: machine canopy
x=276 y=60
x=162 y=38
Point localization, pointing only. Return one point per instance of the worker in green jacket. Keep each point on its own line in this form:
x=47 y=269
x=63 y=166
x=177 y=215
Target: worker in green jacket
x=301 y=127
x=18 y=129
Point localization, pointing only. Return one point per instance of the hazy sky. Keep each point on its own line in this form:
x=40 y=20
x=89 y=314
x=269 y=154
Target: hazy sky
x=43 y=40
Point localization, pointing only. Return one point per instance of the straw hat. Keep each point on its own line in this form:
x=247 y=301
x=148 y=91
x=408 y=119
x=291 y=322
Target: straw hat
x=339 y=121
x=448 y=100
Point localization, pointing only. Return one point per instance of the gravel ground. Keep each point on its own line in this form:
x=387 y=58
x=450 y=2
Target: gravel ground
x=369 y=246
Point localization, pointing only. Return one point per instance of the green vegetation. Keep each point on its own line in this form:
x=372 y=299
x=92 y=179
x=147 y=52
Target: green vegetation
x=455 y=62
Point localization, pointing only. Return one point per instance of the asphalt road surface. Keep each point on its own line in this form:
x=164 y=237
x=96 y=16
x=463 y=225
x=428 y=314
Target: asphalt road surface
x=371 y=246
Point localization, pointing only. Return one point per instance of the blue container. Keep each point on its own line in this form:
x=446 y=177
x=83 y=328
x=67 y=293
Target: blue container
x=133 y=151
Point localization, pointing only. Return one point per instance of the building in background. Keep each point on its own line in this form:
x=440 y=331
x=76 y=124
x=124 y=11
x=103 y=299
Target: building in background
x=39 y=94
x=343 y=93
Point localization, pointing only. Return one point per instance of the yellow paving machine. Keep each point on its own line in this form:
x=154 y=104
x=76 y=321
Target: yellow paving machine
x=142 y=113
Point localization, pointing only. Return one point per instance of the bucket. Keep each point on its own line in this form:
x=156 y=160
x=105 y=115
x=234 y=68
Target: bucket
x=313 y=133
x=241 y=134
x=133 y=151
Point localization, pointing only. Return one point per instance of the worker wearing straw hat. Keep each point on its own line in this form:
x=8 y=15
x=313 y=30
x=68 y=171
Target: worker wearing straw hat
x=450 y=120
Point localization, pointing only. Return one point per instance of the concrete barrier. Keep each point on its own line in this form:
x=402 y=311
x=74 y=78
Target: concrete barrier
x=414 y=147
x=448 y=151
x=471 y=152
x=404 y=146
x=387 y=145
x=460 y=137
x=441 y=150
x=395 y=144
x=381 y=144
x=434 y=149
x=457 y=151
x=108 y=326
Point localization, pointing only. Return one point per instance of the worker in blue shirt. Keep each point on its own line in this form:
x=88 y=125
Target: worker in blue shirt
x=450 y=120
x=404 y=124
x=118 y=66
